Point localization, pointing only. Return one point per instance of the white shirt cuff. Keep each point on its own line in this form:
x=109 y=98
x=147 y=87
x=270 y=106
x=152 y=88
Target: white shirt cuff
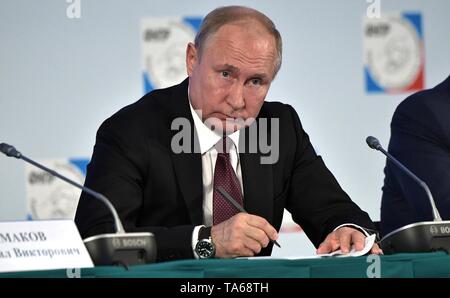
x=195 y=239
x=355 y=226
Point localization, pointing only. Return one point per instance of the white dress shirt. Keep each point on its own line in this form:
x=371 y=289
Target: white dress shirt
x=208 y=139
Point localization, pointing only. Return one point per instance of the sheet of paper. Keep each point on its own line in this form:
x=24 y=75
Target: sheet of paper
x=369 y=242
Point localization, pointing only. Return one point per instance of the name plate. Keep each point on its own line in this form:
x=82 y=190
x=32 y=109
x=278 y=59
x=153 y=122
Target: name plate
x=41 y=245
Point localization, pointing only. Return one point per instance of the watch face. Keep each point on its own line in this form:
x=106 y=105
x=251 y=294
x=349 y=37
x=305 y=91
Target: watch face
x=205 y=249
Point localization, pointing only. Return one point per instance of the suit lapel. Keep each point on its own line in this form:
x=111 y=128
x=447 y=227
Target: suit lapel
x=188 y=166
x=257 y=180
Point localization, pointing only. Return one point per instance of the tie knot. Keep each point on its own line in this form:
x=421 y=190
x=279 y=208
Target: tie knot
x=224 y=145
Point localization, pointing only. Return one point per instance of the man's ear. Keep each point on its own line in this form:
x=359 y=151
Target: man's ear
x=191 y=58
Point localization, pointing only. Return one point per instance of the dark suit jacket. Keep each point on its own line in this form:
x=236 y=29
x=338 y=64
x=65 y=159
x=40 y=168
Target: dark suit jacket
x=420 y=139
x=159 y=191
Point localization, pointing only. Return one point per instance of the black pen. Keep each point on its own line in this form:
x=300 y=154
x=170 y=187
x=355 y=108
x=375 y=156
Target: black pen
x=238 y=206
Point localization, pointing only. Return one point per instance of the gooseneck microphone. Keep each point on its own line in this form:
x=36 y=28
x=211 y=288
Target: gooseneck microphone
x=422 y=236
x=105 y=249
x=12 y=152
x=375 y=144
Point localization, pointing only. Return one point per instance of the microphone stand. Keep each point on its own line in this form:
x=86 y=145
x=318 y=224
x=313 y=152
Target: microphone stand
x=425 y=236
x=105 y=249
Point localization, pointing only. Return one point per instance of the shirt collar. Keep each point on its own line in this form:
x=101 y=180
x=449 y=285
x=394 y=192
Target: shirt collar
x=206 y=137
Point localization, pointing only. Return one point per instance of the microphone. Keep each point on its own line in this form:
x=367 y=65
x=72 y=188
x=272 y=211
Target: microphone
x=417 y=237
x=105 y=249
x=375 y=144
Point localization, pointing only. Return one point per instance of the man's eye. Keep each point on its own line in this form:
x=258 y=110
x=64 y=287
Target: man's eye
x=256 y=81
x=225 y=74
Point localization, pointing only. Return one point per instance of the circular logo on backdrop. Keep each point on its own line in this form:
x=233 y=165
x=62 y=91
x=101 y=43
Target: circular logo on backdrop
x=164 y=53
x=393 y=52
x=54 y=198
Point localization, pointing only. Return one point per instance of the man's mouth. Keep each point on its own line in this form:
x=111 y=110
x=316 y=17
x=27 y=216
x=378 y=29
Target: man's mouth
x=222 y=116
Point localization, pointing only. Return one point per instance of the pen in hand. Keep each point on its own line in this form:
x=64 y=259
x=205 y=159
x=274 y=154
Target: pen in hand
x=238 y=206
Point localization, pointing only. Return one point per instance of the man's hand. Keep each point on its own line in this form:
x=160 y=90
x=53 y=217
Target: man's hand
x=344 y=238
x=243 y=235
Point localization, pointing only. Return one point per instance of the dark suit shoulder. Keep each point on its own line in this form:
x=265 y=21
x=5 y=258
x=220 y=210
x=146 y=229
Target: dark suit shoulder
x=141 y=111
x=425 y=113
x=150 y=115
x=284 y=112
x=274 y=109
x=436 y=100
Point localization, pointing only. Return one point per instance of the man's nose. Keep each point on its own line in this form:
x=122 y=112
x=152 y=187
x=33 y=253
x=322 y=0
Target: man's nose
x=236 y=97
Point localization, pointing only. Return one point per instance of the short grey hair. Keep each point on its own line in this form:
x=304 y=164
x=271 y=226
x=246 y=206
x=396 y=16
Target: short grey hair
x=231 y=14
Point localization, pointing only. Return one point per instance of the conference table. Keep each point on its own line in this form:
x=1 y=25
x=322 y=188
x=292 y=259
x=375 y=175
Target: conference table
x=435 y=264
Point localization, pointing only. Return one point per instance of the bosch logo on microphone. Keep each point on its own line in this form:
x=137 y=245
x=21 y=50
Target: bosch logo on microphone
x=433 y=230
x=116 y=243
x=131 y=242
x=445 y=230
x=128 y=243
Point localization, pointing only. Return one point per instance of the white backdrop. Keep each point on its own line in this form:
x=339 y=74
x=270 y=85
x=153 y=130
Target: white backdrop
x=60 y=78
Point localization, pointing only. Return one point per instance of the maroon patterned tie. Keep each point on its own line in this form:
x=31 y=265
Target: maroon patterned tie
x=225 y=176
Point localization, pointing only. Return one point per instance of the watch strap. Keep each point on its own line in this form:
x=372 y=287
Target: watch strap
x=204 y=233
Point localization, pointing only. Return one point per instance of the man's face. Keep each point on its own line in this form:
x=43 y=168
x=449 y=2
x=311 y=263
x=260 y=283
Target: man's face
x=233 y=75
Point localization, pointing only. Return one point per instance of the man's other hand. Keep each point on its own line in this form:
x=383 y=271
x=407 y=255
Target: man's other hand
x=344 y=238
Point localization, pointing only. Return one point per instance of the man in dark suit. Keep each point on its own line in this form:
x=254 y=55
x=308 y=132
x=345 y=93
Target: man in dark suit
x=164 y=179
x=420 y=139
